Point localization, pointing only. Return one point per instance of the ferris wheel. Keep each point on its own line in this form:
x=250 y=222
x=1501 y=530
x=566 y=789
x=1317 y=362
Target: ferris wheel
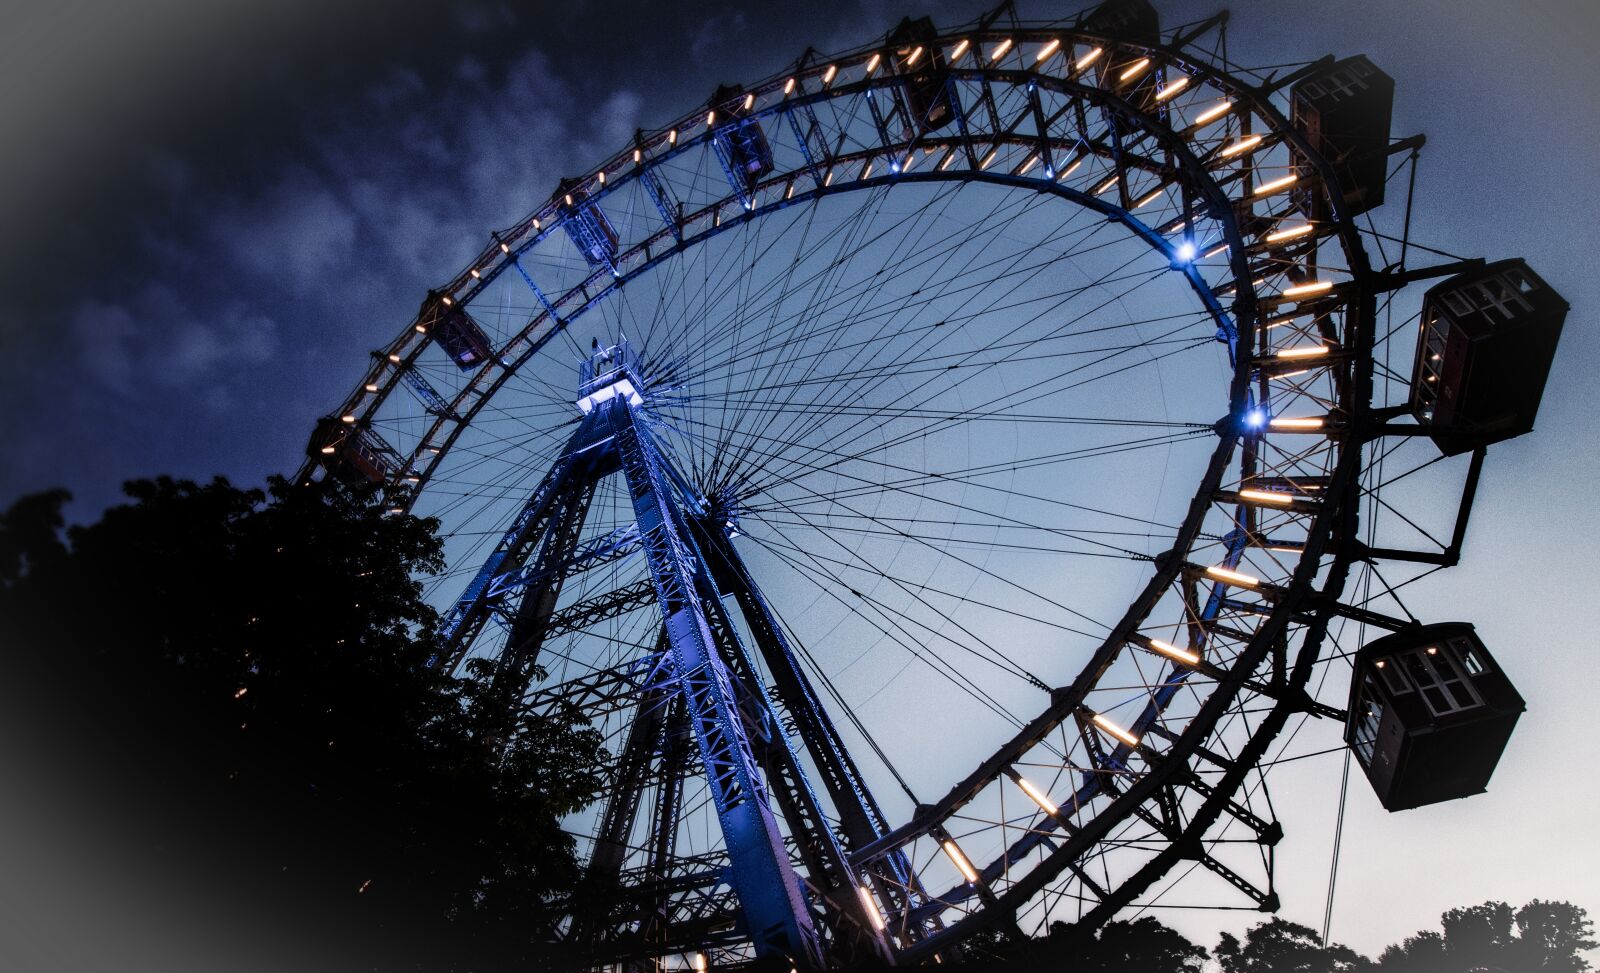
x=944 y=470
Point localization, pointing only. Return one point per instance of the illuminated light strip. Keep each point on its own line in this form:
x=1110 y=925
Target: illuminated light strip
x=1046 y=51
x=873 y=914
x=637 y=156
x=1071 y=169
x=960 y=50
x=872 y=65
x=987 y=159
x=1229 y=291
x=1310 y=351
x=749 y=100
x=1276 y=185
x=1173 y=652
x=788 y=86
x=828 y=75
x=1306 y=423
x=828 y=179
x=914 y=56
x=347 y=418
x=1134 y=70
x=1267 y=496
x=1115 y=730
x=1173 y=87
x=328 y=450
x=1310 y=287
x=371 y=387
x=1215 y=250
x=1037 y=796
x=711 y=118
x=601 y=175
x=1285 y=376
x=422 y=329
x=1089 y=58
x=1154 y=195
x=789 y=193
x=697 y=962
x=1219 y=573
x=949 y=159
x=1213 y=113
x=475 y=274
x=672 y=136
x=1291 y=233
x=1243 y=145
x=1027 y=167
x=959 y=860
x=1107 y=185
x=394 y=358
x=1000 y=51
x=867 y=171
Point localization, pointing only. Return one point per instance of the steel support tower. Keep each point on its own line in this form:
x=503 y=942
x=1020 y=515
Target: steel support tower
x=699 y=699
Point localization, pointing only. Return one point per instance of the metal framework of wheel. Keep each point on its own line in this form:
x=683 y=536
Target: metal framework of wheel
x=853 y=527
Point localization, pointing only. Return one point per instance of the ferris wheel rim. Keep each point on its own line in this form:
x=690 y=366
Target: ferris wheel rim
x=1246 y=318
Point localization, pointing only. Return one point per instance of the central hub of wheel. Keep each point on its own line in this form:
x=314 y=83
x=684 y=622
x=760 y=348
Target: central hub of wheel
x=608 y=373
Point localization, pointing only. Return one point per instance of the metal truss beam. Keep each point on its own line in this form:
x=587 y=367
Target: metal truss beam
x=769 y=891
x=860 y=818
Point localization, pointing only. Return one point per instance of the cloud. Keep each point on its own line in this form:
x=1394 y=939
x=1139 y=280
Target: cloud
x=297 y=233
x=157 y=344
x=244 y=299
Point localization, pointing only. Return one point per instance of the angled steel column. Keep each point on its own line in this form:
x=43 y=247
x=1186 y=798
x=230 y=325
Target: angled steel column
x=664 y=820
x=532 y=622
x=648 y=736
x=856 y=931
x=769 y=891
x=859 y=815
x=507 y=568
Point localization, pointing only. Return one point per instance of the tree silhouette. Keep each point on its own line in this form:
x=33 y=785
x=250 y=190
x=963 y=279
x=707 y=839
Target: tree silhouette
x=1280 y=946
x=241 y=678
x=1540 y=937
x=1144 y=945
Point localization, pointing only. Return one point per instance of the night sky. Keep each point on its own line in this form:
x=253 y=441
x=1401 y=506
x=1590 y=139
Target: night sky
x=213 y=211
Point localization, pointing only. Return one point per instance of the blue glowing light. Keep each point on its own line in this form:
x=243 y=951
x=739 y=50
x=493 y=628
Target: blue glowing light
x=1255 y=418
x=1186 y=251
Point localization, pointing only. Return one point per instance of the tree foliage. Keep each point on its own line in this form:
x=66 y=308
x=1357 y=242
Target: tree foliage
x=244 y=676
x=1540 y=937
x=1280 y=946
x=1144 y=944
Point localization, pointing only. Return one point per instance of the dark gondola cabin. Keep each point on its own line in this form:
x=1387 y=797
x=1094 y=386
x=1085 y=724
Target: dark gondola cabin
x=920 y=60
x=740 y=143
x=457 y=333
x=1430 y=713
x=1488 y=338
x=1344 y=113
x=1127 y=71
x=348 y=454
x=586 y=224
x=1131 y=20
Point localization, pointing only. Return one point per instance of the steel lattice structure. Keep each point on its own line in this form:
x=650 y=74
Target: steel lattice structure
x=630 y=546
